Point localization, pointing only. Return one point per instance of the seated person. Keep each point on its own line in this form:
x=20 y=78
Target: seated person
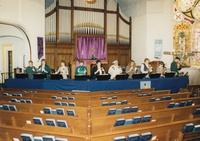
x=146 y=67
x=63 y=70
x=44 y=68
x=30 y=70
x=81 y=69
x=131 y=69
x=161 y=68
x=176 y=65
x=97 y=69
x=114 y=69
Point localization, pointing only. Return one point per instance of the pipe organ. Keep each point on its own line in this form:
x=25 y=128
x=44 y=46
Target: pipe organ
x=65 y=19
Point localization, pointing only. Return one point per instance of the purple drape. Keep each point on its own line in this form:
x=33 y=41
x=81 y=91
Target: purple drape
x=89 y=47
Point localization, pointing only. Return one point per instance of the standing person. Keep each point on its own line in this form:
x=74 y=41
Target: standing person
x=161 y=68
x=63 y=70
x=114 y=69
x=131 y=68
x=30 y=70
x=146 y=67
x=176 y=65
x=44 y=68
x=81 y=69
x=97 y=69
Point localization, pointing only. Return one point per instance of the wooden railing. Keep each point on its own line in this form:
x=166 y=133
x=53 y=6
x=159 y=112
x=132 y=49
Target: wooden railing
x=6 y=75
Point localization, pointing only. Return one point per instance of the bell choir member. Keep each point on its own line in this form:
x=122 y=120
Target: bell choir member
x=114 y=69
x=44 y=68
x=81 y=69
x=131 y=68
x=161 y=68
x=63 y=70
x=146 y=67
x=30 y=70
x=176 y=65
x=97 y=69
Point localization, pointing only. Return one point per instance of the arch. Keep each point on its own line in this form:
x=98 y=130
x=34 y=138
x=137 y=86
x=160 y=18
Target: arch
x=21 y=29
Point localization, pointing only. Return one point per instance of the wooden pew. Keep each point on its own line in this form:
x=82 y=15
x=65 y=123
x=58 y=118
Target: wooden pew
x=80 y=112
x=158 y=117
x=25 y=120
x=132 y=98
x=8 y=133
x=163 y=132
x=150 y=106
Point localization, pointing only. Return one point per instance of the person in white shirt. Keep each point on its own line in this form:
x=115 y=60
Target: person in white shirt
x=63 y=70
x=146 y=67
x=114 y=69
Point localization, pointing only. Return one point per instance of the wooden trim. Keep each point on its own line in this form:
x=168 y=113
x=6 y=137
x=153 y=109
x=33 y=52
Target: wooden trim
x=123 y=19
x=72 y=21
x=50 y=13
x=57 y=21
x=130 y=32
x=117 y=24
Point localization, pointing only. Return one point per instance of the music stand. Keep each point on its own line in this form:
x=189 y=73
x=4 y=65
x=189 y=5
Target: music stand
x=139 y=76
x=56 y=77
x=169 y=74
x=103 y=77
x=82 y=77
x=122 y=77
x=39 y=76
x=21 y=75
x=154 y=75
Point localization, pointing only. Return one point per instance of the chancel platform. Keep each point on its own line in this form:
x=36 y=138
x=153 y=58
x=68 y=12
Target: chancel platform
x=174 y=84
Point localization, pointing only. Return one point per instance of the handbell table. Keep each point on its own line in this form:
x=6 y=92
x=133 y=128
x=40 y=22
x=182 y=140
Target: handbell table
x=173 y=84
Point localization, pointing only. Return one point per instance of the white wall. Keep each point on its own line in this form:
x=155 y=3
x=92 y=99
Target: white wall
x=152 y=19
x=29 y=14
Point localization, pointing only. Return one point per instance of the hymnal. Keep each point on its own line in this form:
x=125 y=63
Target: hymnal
x=36 y=138
x=64 y=103
x=71 y=104
x=58 y=103
x=61 y=139
x=128 y=121
x=134 y=137
x=38 y=120
x=134 y=109
x=47 y=110
x=6 y=107
x=51 y=122
x=137 y=120
x=197 y=128
x=48 y=138
x=60 y=111
x=70 y=112
x=188 y=128
x=112 y=111
x=12 y=108
x=120 y=122
x=26 y=137
x=121 y=138
x=61 y=123
x=146 y=118
x=118 y=111
x=126 y=110
x=146 y=136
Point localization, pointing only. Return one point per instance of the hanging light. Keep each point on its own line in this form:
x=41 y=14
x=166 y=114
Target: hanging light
x=91 y=1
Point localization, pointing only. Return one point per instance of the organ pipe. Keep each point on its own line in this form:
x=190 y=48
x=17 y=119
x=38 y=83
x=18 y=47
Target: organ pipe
x=85 y=22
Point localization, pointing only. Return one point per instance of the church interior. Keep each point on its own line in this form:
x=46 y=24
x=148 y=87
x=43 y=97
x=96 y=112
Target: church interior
x=99 y=70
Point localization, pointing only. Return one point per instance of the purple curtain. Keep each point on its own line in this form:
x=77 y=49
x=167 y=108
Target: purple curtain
x=89 y=47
